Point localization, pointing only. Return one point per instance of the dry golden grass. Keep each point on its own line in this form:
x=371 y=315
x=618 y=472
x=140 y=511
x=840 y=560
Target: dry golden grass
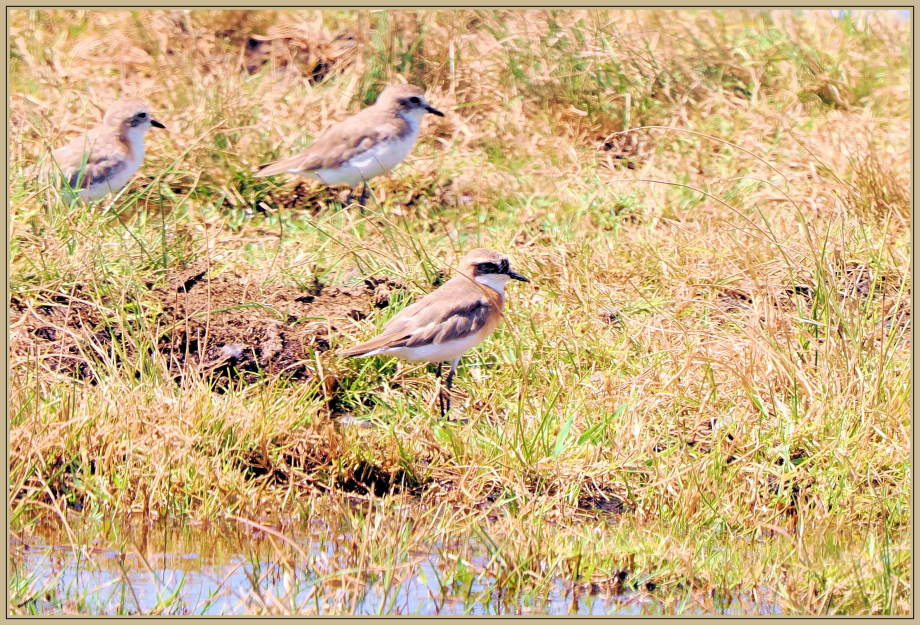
x=715 y=342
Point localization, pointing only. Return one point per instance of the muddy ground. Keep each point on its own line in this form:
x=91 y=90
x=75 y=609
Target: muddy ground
x=223 y=328
x=228 y=330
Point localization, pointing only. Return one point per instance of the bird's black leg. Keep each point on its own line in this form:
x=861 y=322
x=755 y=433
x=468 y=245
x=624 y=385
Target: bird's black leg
x=450 y=380
x=365 y=193
x=440 y=392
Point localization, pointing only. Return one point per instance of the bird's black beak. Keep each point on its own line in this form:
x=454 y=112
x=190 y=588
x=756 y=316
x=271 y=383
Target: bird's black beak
x=516 y=276
x=434 y=111
x=156 y=124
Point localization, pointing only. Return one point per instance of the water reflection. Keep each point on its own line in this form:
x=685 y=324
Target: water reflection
x=237 y=568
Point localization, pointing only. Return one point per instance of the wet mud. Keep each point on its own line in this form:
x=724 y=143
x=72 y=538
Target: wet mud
x=220 y=327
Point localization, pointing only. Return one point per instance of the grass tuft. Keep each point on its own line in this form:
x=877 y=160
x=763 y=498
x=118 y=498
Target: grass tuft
x=699 y=403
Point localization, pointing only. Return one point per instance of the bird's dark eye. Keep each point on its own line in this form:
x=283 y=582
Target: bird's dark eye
x=414 y=100
x=488 y=268
x=142 y=115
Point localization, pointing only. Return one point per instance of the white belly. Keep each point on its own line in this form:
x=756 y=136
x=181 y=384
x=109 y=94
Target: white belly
x=436 y=352
x=373 y=162
x=117 y=180
x=112 y=185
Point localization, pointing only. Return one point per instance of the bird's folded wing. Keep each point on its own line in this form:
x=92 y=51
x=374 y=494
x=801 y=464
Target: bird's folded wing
x=452 y=315
x=94 y=173
x=87 y=160
x=336 y=146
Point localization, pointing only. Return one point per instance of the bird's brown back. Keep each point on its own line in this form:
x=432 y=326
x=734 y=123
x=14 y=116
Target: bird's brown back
x=97 y=154
x=457 y=309
x=343 y=142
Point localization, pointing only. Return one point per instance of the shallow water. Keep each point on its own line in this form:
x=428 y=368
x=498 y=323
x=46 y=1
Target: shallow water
x=228 y=568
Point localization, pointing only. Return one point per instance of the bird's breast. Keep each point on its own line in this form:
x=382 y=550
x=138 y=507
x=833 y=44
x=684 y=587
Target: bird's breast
x=384 y=156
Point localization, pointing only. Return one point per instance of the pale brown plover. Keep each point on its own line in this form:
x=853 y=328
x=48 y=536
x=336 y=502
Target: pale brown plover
x=363 y=146
x=104 y=158
x=447 y=322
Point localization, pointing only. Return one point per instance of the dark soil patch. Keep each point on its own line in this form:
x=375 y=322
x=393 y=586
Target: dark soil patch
x=611 y=316
x=899 y=317
x=222 y=327
x=64 y=332
x=314 y=55
x=368 y=478
x=58 y=484
x=798 y=492
x=733 y=300
x=307 y=197
x=806 y=292
x=859 y=281
x=300 y=461
x=487 y=504
x=602 y=502
x=304 y=196
x=602 y=585
x=625 y=150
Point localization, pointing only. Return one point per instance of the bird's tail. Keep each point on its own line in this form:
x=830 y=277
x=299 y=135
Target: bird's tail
x=357 y=351
x=283 y=166
x=373 y=346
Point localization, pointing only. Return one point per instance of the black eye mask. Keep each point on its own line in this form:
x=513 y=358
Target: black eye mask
x=137 y=121
x=501 y=269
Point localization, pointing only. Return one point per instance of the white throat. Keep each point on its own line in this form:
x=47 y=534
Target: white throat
x=413 y=117
x=136 y=140
x=495 y=281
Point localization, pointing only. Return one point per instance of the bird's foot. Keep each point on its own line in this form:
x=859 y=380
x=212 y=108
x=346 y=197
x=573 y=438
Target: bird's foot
x=444 y=397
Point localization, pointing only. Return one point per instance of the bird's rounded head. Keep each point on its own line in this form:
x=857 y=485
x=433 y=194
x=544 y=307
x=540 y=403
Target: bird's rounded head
x=408 y=100
x=128 y=113
x=489 y=267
